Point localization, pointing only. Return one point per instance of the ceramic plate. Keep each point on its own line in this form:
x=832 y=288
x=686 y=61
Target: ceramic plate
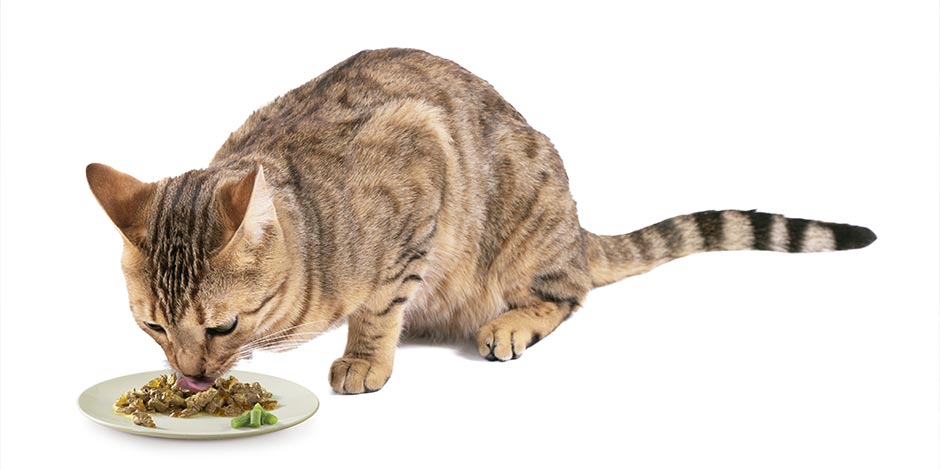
x=295 y=404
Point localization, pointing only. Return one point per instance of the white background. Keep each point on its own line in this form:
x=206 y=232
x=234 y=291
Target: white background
x=816 y=109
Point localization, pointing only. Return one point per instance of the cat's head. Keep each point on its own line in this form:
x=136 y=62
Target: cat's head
x=204 y=256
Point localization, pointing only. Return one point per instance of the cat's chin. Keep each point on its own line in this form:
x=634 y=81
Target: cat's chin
x=195 y=384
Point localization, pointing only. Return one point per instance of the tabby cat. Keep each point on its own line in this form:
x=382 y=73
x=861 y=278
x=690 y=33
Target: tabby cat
x=398 y=193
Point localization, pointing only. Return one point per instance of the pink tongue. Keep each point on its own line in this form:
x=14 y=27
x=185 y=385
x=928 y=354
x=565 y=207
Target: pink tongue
x=195 y=385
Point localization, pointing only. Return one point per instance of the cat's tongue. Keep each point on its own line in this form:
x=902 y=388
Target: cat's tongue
x=196 y=385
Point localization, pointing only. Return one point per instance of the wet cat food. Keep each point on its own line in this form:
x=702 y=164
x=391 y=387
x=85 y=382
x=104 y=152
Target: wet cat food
x=226 y=397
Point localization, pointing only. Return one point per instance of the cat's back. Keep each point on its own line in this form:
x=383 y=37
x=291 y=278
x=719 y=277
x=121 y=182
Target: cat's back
x=329 y=110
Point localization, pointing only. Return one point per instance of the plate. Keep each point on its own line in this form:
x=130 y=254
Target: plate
x=295 y=405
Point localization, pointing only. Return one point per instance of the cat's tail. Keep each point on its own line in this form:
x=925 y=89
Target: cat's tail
x=612 y=258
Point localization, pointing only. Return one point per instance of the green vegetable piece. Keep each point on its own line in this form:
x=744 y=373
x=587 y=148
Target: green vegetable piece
x=255 y=413
x=269 y=418
x=241 y=421
x=254 y=418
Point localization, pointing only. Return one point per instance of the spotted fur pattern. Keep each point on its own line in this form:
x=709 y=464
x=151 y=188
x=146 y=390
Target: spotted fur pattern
x=400 y=194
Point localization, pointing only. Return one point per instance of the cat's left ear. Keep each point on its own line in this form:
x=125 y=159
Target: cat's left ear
x=247 y=209
x=123 y=198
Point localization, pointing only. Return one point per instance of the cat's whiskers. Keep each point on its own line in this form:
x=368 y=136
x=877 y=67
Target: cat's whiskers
x=283 y=331
x=296 y=340
x=280 y=347
x=297 y=337
x=292 y=336
x=281 y=342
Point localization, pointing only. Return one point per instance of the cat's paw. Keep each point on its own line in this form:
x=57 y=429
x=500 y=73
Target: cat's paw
x=510 y=334
x=350 y=375
x=504 y=339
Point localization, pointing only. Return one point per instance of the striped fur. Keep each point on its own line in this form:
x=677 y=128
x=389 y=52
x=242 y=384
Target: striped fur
x=613 y=258
x=398 y=193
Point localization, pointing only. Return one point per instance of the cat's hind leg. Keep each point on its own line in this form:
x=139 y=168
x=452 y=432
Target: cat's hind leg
x=507 y=336
x=542 y=299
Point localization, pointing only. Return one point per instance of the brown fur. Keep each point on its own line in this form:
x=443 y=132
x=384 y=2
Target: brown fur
x=399 y=193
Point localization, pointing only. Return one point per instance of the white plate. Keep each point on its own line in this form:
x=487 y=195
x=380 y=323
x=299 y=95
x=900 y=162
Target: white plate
x=295 y=404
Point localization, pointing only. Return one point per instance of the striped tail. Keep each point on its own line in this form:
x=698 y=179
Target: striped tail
x=612 y=258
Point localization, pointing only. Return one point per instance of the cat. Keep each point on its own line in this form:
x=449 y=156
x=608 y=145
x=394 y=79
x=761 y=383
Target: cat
x=400 y=194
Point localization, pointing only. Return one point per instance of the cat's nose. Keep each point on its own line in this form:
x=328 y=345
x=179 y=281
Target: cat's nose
x=190 y=365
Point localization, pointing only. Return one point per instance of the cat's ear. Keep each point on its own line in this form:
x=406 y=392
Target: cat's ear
x=123 y=198
x=247 y=208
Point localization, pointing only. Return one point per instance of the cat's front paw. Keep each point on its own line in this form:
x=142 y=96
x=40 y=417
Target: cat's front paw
x=350 y=375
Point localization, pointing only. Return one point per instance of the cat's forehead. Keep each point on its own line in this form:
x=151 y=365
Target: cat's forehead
x=182 y=204
x=181 y=231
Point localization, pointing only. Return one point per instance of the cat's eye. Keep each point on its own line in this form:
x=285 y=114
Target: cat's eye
x=155 y=327
x=223 y=329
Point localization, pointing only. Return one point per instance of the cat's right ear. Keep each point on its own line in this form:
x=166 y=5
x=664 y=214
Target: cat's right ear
x=247 y=209
x=123 y=198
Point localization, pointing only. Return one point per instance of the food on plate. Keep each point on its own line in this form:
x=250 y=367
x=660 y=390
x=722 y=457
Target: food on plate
x=143 y=419
x=268 y=418
x=226 y=397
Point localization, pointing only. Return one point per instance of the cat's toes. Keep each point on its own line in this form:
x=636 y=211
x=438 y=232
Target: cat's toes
x=349 y=375
x=502 y=342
